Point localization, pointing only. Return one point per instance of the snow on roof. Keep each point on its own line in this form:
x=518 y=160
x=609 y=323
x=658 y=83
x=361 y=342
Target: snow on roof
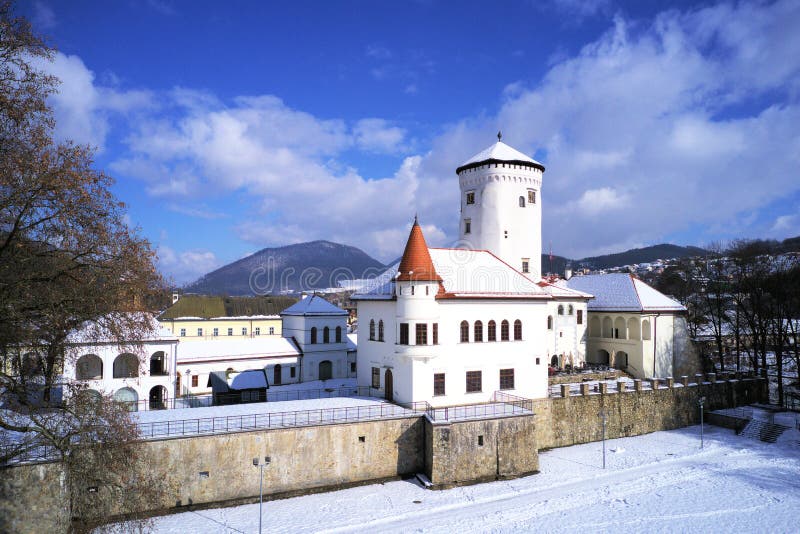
x=249 y=379
x=228 y=348
x=313 y=305
x=499 y=152
x=98 y=333
x=466 y=274
x=621 y=292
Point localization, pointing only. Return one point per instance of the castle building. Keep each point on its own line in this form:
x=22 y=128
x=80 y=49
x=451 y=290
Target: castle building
x=453 y=326
x=635 y=328
x=501 y=206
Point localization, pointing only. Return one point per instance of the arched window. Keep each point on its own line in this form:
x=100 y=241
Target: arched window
x=645 y=330
x=380 y=330
x=464 y=332
x=561 y=309
x=549 y=322
x=607 y=327
x=89 y=367
x=372 y=329
x=570 y=310
x=504 y=330
x=478 y=331
x=491 y=331
x=619 y=329
x=126 y=366
x=517 y=330
x=313 y=335
x=521 y=202
x=338 y=334
x=326 y=335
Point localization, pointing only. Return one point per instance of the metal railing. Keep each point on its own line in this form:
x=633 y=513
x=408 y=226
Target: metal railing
x=238 y=423
x=206 y=400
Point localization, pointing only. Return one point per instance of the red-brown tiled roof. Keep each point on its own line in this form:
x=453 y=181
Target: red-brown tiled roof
x=416 y=264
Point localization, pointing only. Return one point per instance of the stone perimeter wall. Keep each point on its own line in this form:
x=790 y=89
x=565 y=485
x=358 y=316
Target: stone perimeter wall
x=574 y=419
x=334 y=456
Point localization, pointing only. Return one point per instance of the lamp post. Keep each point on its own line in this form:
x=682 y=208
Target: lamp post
x=700 y=403
x=604 y=416
x=260 y=465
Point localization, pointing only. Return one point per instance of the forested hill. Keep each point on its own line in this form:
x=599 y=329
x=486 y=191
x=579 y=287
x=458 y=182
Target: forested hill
x=299 y=267
x=639 y=255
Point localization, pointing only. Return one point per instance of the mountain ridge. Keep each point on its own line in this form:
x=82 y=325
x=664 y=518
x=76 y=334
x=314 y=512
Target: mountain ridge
x=321 y=264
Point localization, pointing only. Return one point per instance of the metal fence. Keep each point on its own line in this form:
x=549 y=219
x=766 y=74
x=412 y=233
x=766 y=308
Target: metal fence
x=238 y=423
x=206 y=400
x=502 y=404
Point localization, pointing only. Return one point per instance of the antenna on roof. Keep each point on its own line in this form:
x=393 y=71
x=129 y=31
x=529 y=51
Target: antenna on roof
x=499 y=135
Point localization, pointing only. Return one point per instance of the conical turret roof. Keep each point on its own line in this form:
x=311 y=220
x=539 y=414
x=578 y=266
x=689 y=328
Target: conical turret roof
x=499 y=153
x=416 y=264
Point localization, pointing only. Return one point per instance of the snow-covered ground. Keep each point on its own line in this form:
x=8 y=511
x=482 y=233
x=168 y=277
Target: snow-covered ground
x=660 y=482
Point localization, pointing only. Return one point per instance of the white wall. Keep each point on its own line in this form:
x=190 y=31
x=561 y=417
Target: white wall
x=413 y=366
x=496 y=211
x=647 y=358
x=141 y=384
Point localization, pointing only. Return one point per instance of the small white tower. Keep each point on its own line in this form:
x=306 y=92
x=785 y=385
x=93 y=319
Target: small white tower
x=501 y=206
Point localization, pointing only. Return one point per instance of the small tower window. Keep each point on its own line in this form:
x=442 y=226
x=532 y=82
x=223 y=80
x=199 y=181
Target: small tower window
x=470 y=197
x=531 y=196
x=526 y=262
x=467 y=226
x=521 y=202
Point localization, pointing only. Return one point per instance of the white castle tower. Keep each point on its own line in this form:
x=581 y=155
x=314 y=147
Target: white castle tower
x=501 y=206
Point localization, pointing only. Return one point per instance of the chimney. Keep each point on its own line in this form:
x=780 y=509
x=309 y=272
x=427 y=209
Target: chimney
x=568 y=271
x=175 y=297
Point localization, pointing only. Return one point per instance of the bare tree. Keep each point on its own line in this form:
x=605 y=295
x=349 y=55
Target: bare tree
x=67 y=259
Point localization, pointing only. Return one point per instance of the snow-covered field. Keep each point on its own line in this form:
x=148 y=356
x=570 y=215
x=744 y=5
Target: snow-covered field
x=660 y=482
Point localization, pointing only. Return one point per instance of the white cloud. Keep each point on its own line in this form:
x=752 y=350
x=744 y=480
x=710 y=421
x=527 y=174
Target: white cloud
x=786 y=226
x=44 y=17
x=599 y=201
x=634 y=130
x=186 y=266
x=82 y=107
x=377 y=135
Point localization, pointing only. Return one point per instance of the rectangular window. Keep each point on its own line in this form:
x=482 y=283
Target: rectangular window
x=580 y=316
x=352 y=367
x=526 y=262
x=200 y=332
x=404 y=333
x=422 y=333
x=435 y=334
x=183 y=332
x=531 y=196
x=506 y=379
x=470 y=197
x=272 y=330
x=257 y=331
x=376 y=378
x=216 y=332
x=194 y=381
x=230 y=331
x=467 y=226
x=292 y=371
x=438 y=384
x=244 y=331
x=474 y=384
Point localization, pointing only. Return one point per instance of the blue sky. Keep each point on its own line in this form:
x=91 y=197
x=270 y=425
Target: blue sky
x=232 y=126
